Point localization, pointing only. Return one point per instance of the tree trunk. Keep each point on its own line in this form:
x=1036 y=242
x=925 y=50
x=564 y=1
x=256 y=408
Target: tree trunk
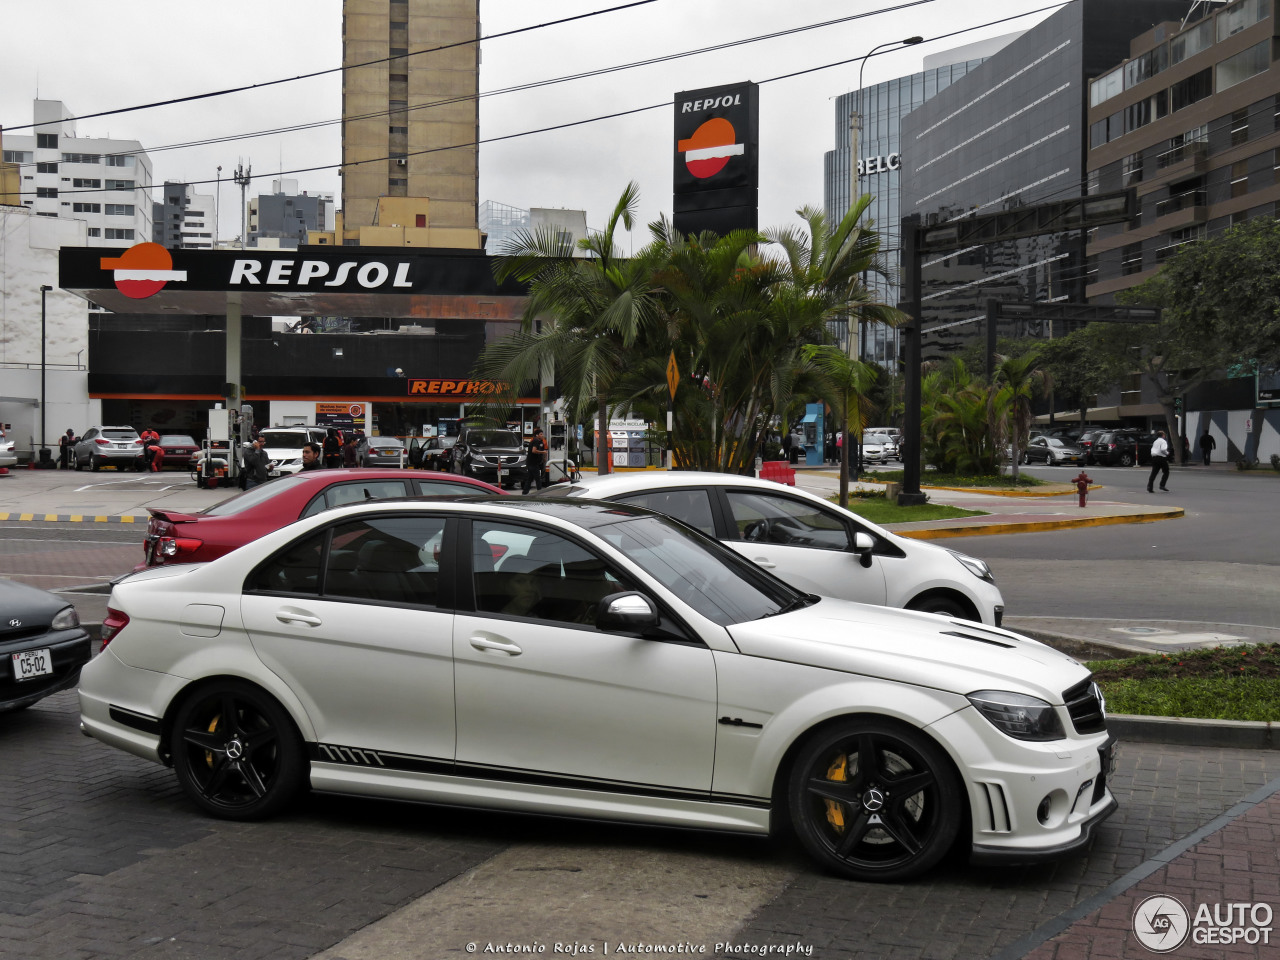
x=844 y=460
x=604 y=458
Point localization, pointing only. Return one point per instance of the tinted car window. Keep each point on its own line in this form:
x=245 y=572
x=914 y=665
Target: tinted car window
x=780 y=520
x=433 y=488
x=691 y=506
x=541 y=575
x=387 y=560
x=492 y=438
x=294 y=570
x=286 y=441
x=355 y=492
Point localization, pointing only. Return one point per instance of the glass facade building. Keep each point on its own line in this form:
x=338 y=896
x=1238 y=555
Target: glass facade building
x=882 y=108
x=1013 y=132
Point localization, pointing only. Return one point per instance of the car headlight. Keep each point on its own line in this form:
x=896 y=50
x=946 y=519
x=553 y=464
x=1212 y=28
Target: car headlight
x=65 y=619
x=975 y=566
x=1020 y=716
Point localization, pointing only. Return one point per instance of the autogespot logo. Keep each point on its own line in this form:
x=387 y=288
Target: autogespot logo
x=1161 y=923
x=142 y=270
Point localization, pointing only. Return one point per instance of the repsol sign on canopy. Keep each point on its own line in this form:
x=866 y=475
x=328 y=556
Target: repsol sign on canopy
x=145 y=269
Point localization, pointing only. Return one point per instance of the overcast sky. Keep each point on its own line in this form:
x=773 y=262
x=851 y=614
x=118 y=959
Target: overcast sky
x=95 y=56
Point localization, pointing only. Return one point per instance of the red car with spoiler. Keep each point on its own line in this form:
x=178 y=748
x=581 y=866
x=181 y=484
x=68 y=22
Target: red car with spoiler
x=174 y=537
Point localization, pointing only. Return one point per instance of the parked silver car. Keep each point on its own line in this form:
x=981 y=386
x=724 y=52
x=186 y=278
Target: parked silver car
x=380 y=452
x=100 y=446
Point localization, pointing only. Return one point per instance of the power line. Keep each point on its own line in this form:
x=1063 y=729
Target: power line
x=354 y=66
x=619 y=113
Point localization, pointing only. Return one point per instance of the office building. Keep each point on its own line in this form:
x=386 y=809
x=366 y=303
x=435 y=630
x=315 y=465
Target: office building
x=1010 y=133
x=410 y=122
x=102 y=181
x=882 y=107
x=287 y=216
x=499 y=224
x=1190 y=120
x=184 y=219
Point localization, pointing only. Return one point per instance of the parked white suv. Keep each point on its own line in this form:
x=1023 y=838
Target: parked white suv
x=809 y=542
x=284 y=446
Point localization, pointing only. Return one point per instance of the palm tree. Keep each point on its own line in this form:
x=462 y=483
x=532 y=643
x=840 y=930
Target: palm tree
x=850 y=381
x=826 y=274
x=1017 y=381
x=595 y=310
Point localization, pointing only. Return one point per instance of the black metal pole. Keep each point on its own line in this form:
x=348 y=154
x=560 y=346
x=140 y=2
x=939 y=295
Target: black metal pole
x=44 y=450
x=911 y=495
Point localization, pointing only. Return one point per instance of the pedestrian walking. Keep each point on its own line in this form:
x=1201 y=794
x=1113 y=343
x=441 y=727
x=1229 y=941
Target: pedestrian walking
x=1159 y=463
x=1207 y=446
x=535 y=461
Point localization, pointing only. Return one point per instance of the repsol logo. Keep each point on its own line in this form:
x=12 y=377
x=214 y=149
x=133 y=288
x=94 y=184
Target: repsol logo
x=353 y=755
x=695 y=106
x=455 y=388
x=879 y=164
x=370 y=275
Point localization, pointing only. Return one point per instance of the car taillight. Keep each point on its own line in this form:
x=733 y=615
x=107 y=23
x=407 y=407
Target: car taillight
x=172 y=546
x=102 y=440
x=112 y=624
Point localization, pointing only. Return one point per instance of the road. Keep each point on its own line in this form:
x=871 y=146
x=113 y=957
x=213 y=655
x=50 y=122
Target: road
x=100 y=855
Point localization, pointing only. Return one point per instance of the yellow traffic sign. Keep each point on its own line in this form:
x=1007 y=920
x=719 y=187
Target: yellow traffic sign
x=673 y=374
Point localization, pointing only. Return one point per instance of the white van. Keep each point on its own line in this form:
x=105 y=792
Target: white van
x=284 y=446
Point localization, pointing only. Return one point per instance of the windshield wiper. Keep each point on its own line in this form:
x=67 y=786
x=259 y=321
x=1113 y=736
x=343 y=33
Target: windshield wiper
x=804 y=600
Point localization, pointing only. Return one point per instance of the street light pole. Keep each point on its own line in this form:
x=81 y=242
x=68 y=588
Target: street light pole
x=855 y=127
x=44 y=450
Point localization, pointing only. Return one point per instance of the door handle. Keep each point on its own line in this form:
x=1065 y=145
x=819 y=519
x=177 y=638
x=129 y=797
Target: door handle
x=286 y=616
x=484 y=643
x=764 y=562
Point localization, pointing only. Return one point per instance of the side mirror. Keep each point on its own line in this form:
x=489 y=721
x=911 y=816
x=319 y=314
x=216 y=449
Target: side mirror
x=863 y=545
x=628 y=611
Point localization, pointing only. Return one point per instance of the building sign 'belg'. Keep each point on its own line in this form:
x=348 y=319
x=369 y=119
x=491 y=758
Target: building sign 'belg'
x=716 y=168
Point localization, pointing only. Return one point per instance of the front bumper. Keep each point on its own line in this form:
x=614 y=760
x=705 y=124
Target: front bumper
x=1029 y=801
x=68 y=649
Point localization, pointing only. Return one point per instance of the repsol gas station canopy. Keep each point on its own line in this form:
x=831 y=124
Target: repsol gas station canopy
x=310 y=281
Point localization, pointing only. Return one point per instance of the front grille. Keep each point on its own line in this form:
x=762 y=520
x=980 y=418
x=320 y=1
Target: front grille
x=1084 y=706
x=8 y=635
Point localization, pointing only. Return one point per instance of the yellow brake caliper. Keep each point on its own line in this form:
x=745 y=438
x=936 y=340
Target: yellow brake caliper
x=839 y=770
x=213 y=727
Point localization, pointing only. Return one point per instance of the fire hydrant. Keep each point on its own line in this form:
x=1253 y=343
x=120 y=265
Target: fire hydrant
x=1082 y=486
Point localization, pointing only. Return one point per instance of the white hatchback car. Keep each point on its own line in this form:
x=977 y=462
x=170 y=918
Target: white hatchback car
x=589 y=659
x=809 y=542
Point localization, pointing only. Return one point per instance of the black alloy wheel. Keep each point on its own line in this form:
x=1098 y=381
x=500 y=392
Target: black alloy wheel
x=1126 y=459
x=236 y=752
x=875 y=800
x=95 y=462
x=1026 y=458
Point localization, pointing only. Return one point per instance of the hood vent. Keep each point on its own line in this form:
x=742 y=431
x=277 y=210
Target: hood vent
x=972 y=636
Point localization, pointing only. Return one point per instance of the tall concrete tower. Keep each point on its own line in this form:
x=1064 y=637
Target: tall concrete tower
x=410 y=103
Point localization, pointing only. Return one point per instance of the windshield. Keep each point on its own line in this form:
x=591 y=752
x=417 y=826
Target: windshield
x=492 y=438
x=711 y=579
x=177 y=440
x=256 y=495
x=285 y=441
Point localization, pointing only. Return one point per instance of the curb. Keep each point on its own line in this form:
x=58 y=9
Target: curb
x=73 y=518
x=1031 y=526
x=1191 y=732
x=994 y=492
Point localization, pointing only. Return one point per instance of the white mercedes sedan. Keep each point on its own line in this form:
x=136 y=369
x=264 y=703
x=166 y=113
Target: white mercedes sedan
x=588 y=659
x=809 y=542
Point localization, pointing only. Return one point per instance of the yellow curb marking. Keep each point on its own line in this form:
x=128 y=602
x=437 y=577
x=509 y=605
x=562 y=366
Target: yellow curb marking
x=1035 y=526
x=26 y=516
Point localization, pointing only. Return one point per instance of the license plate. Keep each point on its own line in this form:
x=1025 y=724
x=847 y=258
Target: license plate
x=31 y=664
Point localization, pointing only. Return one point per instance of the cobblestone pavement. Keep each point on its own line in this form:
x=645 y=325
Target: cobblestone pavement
x=100 y=856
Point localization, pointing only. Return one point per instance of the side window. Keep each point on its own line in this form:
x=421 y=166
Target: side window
x=430 y=488
x=89 y=434
x=781 y=520
x=294 y=570
x=537 y=574
x=386 y=559
x=339 y=494
x=691 y=506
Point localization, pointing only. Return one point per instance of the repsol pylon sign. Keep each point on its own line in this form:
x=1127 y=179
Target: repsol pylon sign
x=716 y=168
